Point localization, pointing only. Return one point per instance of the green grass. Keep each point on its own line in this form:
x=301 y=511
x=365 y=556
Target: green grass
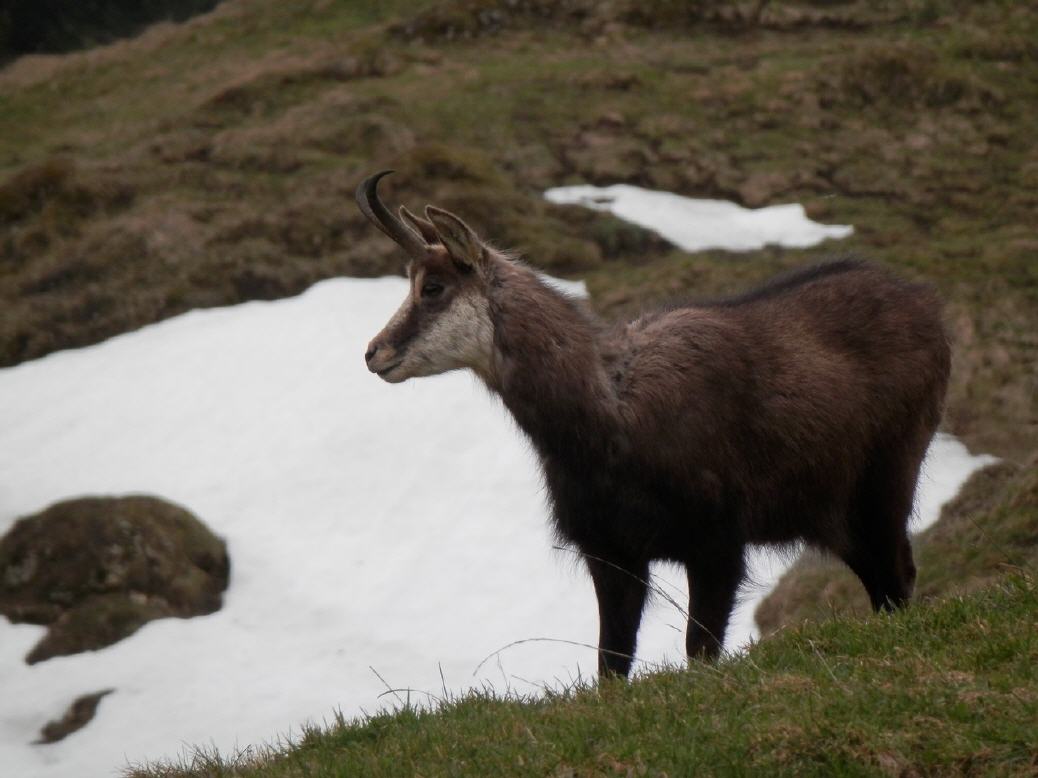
x=947 y=688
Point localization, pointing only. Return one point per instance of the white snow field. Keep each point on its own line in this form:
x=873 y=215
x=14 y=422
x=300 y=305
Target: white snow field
x=696 y=224
x=372 y=528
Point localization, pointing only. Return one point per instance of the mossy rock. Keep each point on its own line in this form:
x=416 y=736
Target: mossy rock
x=95 y=569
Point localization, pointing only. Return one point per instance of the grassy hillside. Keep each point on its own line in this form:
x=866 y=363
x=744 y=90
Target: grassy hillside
x=214 y=161
x=944 y=689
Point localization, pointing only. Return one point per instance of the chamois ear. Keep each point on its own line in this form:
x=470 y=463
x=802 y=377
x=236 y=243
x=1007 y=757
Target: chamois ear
x=424 y=227
x=461 y=242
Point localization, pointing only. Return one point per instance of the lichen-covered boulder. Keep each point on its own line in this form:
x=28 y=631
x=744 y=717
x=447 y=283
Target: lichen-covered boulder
x=95 y=569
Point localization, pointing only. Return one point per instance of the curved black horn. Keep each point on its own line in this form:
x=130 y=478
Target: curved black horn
x=372 y=207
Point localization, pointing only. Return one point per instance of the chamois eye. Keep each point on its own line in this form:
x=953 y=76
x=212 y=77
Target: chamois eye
x=432 y=289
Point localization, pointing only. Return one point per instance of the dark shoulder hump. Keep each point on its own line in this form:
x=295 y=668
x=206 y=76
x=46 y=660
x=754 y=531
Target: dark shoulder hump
x=787 y=282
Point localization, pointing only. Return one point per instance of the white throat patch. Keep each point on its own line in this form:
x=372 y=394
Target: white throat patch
x=460 y=337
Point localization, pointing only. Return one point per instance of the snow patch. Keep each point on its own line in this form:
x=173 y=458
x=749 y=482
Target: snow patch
x=696 y=224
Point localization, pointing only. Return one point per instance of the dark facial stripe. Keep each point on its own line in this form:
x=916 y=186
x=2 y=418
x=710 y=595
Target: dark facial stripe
x=407 y=329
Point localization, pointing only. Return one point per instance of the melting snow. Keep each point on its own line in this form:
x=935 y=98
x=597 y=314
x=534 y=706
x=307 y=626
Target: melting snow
x=696 y=225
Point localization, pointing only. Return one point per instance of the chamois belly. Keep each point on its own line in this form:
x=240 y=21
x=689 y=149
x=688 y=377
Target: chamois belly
x=623 y=512
x=816 y=516
x=631 y=510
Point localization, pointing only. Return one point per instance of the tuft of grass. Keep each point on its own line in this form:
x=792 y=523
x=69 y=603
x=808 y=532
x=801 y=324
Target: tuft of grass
x=58 y=192
x=907 y=76
x=948 y=687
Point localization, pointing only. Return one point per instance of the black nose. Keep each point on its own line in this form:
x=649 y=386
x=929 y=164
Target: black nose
x=370 y=353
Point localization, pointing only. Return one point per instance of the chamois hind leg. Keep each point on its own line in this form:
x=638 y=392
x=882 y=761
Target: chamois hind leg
x=880 y=553
x=712 y=586
x=621 y=590
x=886 y=570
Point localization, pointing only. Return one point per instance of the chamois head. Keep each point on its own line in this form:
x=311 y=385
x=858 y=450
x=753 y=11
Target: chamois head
x=444 y=322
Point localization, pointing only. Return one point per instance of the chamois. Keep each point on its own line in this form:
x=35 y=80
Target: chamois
x=797 y=412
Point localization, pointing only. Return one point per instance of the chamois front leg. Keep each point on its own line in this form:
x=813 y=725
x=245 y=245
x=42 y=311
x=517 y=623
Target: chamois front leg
x=621 y=590
x=712 y=587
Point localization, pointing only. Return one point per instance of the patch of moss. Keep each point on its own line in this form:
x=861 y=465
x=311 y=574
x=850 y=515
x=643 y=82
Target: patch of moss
x=905 y=76
x=80 y=713
x=96 y=622
x=441 y=162
x=467 y=19
x=60 y=189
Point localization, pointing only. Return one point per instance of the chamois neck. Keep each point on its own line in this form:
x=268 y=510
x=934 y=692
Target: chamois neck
x=548 y=363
